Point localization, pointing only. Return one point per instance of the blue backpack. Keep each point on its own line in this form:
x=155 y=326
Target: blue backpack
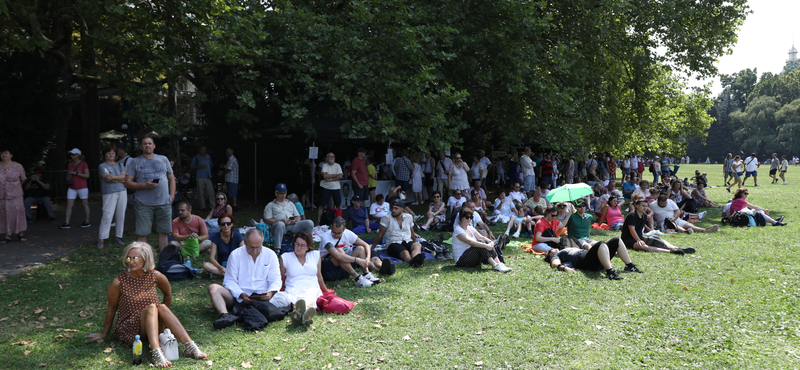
x=171 y=265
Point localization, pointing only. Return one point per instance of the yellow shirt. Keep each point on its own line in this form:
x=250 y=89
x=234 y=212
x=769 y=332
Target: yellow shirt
x=372 y=176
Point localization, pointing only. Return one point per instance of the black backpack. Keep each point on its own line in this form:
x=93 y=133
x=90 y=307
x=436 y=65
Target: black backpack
x=737 y=219
x=171 y=265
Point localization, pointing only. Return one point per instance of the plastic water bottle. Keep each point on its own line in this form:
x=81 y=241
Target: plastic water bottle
x=137 y=351
x=188 y=262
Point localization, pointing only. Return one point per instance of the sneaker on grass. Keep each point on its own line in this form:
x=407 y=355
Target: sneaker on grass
x=225 y=320
x=363 y=282
x=611 y=274
x=712 y=229
x=632 y=268
x=85 y=225
x=677 y=251
x=372 y=278
x=501 y=267
x=701 y=215
x=387 y=267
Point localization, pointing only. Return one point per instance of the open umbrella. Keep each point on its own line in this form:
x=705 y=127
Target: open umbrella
x=569 y=192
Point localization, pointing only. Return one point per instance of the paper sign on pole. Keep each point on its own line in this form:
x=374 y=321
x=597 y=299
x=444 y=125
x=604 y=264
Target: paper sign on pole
x=389 y=155
x=313 y=152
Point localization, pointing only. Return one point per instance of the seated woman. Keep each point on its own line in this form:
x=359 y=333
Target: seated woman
x=643 y=189
x=740 y=203
x=133 y=294
x=301 y=271
x=437 y=211
x=543 y=189
x=699 y=196
x=504 y=210
x=597 y=192
x=222 y=207
x=470 y=249
x=480 y=207
x=598 y=257
x=536 y=200
x=677 y=193
x=222 y=244
x=612 y=214
x=542 y=243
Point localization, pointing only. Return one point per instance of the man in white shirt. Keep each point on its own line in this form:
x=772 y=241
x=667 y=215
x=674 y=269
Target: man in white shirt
x=456 y=201
x=331 y=188
x=341 y=248
x=750 y=166
x=665 y=208
x=401 y=241
x=253 y=274
x=486 y=165
x=379 y=209
x=528 y=174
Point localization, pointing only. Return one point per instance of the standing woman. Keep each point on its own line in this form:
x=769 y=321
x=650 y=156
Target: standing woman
x=458 y=174
x=115 y=196
x=784 y=167
x=77 y=175
x=736 y=167
x=12 y=205
x=416 y=184
x=133 y=294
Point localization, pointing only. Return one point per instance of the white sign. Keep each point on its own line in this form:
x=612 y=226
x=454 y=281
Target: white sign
x=313 y=152
x=447 y=152
x=389 y=155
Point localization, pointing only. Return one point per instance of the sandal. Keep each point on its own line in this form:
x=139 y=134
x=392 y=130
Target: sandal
x=159 y=360
x=22 y=238
x=193 y=351
x=6 y=240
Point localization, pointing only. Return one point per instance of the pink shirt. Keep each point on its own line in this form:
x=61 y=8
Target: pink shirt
x=738 y=204
x=613 y=216
x=78 y=182
x=197 y=226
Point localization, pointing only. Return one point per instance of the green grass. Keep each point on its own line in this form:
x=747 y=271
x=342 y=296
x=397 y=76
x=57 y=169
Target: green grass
x=734 y=304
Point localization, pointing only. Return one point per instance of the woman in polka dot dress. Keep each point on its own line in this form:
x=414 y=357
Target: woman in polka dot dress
x=133 y=295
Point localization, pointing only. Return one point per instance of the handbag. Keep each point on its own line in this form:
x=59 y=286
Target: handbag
x=69 y=179
x=330 y=302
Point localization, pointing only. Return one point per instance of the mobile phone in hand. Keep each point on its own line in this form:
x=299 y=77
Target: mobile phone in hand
x=155 y=181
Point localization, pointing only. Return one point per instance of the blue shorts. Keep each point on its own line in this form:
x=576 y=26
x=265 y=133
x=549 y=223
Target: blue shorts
x=751 y=173
x=233 y=189
x=331 y=272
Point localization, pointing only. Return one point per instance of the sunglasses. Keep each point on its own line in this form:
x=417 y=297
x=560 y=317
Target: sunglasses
x=225 y=223
x=436 y=196
x=468 y=217
x=134 y=259
x=746 y=193
x=220 y=198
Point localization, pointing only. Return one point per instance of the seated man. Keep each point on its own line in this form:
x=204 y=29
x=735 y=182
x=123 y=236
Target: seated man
x=378 y=209
x=401 y=241
x=456 y=201
x=283 y=216
x=359 y=219
x=632 y=233
x=516 y=195
x=341 y=249
x=664 y=208
x=38 y=188
x=253 y=273
x=593 y=259
x=188 y=226
x=579 y=224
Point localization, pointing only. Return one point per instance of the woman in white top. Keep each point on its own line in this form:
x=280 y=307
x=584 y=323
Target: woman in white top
x=736 y=167
x=301 y=272
x=416 y=184
x=458 y=174
x=470 y=249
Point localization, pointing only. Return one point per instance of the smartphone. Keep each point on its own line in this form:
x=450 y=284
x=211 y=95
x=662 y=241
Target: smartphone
x=255 y=296
x=155 y=181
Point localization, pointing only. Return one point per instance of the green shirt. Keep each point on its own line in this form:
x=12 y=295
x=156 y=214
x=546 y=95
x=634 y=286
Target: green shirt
x=578 y=226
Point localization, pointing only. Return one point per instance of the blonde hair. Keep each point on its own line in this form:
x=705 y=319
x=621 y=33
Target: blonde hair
x=147 y=255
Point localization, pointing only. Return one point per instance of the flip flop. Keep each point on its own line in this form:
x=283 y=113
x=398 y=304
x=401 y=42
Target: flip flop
x=6 y=240
x=21 y=238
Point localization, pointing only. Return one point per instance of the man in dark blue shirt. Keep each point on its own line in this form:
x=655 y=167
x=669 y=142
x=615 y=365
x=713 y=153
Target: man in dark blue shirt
x=359 y=217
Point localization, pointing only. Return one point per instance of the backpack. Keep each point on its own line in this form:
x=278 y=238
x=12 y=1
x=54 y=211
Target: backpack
x=170 y=264
x=328 y=215
x=653 y=167
x=737 y=219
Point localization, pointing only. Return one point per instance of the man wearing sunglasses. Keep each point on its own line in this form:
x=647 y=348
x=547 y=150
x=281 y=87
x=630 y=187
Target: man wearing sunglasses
x=398 y=227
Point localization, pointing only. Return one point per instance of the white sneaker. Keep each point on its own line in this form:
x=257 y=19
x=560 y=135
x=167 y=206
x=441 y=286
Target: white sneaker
x=372 y=278
x=515 y=235
x=784 y=183
x=363 y=282
x=501 y=267
x=701 y=215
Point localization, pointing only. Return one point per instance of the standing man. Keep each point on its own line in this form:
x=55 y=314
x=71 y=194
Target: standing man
x=404 y=169
x=151 y=176
x=359 y=176
x=427 y=170
x=202 y=164
x=528 y=174
x=398 y=227
x=487 y=165
x=443 y=174
x=727 y=168
x=231 y=172
x=283 y=216
x=750 y=167
x=773 y=167
x=122 y=161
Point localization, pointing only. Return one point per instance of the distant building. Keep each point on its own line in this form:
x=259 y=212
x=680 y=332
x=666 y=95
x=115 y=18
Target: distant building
x=792 y=55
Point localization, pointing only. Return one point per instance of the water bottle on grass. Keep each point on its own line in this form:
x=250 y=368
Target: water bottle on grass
x=137 y=351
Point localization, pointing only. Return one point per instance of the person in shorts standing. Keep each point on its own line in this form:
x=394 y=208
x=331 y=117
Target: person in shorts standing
x=774 y=163
x=77 y=175
x=751 y=166
x=151 y=176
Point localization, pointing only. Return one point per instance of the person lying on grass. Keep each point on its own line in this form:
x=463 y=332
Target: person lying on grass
x=740 y=203
x=133 y=295
x=632 y=233
x=596 y=258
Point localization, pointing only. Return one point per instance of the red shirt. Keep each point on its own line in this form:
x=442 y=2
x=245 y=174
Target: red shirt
x=78 y=182
x=543 y=225
x=197 y=225
x=360 y=167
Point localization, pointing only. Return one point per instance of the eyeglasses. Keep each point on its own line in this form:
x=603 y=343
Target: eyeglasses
x=746 y=193
x=225 y=223
x=134 y=259
x=298 y=245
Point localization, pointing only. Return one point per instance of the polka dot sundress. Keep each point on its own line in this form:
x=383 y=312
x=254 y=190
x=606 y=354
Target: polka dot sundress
x=134 y=295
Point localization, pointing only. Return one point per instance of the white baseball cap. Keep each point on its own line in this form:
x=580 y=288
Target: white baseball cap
x=75 y=151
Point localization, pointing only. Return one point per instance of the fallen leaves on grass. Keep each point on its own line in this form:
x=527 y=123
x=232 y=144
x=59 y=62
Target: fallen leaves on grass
x=247 y=364
x=38 y=311
x=108 y=350
x=406 y=337
x=23 y=343
x=27 y=352
x=478 y=363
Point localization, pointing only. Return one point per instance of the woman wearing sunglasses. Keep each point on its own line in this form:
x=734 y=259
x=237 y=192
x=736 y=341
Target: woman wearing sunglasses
x=222 y=244
x=471 y=249
x=133 y=295
x=221 y=207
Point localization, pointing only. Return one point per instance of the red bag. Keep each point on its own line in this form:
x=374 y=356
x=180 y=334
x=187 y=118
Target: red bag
x=330 y=302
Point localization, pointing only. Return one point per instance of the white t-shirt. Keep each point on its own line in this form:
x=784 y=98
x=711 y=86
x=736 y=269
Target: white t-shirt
x=505 y=208
x=460 y=247
x=750 y=164
x=394 y=233
x=659 y=213
x=334 y=169
x=379 y=210
x=626 y=164
x=635 y=163
x=527 y=165
x=518 y=196
x=455 y=202
x=345 y=243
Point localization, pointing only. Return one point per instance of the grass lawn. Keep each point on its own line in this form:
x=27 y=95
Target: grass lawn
x=733 y=304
